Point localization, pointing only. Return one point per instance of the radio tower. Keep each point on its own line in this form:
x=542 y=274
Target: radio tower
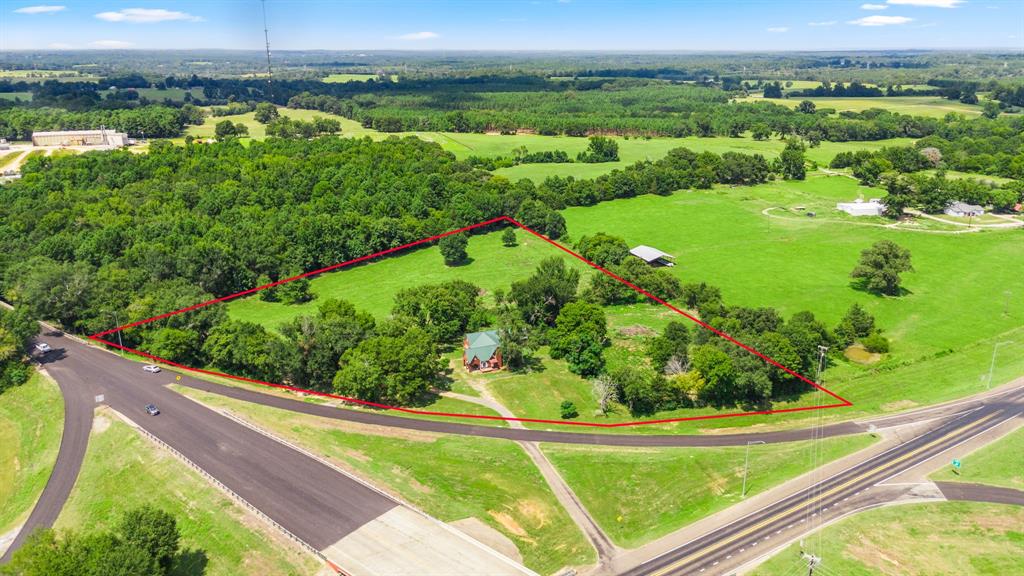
x=266 y=38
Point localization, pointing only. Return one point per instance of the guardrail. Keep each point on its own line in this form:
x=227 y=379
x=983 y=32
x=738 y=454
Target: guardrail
x=237 y=497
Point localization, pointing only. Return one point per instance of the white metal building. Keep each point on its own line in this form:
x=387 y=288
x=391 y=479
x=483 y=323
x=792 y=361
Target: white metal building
x=652 y=256
x=964 y=209
x=80 y=138
x=859 y=207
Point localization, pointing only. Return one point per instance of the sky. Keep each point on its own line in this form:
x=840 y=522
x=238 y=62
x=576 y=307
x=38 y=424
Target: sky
x=610 y=25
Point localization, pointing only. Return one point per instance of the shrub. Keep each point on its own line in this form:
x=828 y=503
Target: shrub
x=876 y=343
x=569 y=410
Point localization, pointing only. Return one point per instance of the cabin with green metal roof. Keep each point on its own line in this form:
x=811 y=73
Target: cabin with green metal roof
x=481 y=351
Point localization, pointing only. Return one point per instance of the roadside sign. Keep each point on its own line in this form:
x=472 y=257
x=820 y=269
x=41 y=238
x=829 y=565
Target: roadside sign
x=178 y=377
x=956 y=464
x=99 y=398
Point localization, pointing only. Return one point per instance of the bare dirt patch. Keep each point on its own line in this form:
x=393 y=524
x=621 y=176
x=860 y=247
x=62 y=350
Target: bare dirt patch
x=481 y=532
x=636 y=330
x=859 y=354
x=509 y=523
x=898 y=405
x=100 y=424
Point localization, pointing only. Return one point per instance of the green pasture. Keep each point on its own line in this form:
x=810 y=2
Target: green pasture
x=963 y=538
x=122 y=470
x=23 y=96
x=44 y=75
x=31 y=421
x=641 y=494
x=448 y=477
x=335 y=78
x=1001 y=463
x=931 y=106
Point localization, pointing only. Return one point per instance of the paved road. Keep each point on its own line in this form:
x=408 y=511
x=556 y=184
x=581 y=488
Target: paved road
x=980 y=493
x=77 y=424
x=591 y=438
x=745 y=539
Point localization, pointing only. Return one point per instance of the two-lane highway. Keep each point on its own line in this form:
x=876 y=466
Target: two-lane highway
x=736 y=543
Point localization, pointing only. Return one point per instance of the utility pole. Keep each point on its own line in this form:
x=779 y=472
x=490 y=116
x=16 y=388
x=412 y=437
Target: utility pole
x=266 y=39
x=812 y=561
x=992 y=366
x=118 y=324
x=746 y=466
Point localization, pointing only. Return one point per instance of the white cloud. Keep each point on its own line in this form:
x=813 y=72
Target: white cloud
x=880 y=21
x=929 y=3
x=112 y=44
x=419 y=36
x=59 y=46
x=873 y=7
x=146 y=16
x=777 y=29
x=40 y=9
x=825 y=23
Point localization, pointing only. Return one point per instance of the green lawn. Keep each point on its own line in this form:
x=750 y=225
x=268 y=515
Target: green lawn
x=372 y=287
x=8 y=157
x=31 y=420
x=963 y=538
x=999 y=464
x=44 y=75
x=258 y=131
x=157 y=95
x=931 y=106
x=449 y=477
x=353 y=78
x=23 y=96
x=122 y=470
x=639 y=495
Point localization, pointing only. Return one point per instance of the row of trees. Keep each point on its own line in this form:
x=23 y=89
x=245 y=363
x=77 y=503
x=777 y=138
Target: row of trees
x=153 y=121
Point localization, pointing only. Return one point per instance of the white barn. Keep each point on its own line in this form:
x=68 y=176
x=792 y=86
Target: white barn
x=859 y=207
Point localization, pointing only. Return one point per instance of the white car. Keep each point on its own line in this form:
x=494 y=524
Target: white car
x=151 y=369
x=43 y=347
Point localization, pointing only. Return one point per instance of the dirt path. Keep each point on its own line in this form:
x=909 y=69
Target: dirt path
x=605 y=548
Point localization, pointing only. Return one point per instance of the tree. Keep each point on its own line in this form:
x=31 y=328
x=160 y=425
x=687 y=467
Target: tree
x=856 y=324
x=805 y=107
x=443 y=310
x=716 y=368
x=517 y=341
x=152 y=530
x=761 y=131
x=579 y=336
x=600 y=149
x=228 y=129
x=295 y=291
x=541 y=297
x=453 y=249
x=880 y=267
x=773 y=90
x=390 y=369
x=990 y=109
x=605 y=390
x=672 y=344
x=266 y=113
x=792 y=160
x=508 y=238
x=603 y=249
x=568 y=410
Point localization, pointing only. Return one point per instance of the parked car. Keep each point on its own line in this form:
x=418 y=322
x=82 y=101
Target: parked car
x=151 y=369
x=152 y=410
x=43 y=347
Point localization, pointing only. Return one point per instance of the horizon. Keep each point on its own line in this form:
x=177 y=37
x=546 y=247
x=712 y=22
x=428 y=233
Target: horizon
x=651 y=26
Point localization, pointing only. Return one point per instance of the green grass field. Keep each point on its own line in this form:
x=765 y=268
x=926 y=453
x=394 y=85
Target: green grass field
x=963 y=538
x=44 y=75
x=31 y=420
x=999 y=464
x=931 y=106
x=258 y=131
x=156 y=95
x=942 y=331
x=414 y=267
x=8 y=157
x=122 y=470
x=332 y=78
x=23 y=96
x=449 y=477
x=641 y=494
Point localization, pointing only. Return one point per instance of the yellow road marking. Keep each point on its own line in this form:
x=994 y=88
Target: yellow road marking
x=800 y=505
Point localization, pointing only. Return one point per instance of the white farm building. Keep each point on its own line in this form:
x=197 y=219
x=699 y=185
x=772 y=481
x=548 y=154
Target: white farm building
x=964 y=209
x=80 y=138
x=858 y=207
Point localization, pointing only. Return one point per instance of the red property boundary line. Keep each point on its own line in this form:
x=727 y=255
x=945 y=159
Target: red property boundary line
x=842 y=402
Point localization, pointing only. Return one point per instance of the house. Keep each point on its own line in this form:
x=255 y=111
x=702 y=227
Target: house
x=482 y=351
x=859 y=207
x=963 y=209
x=653 y=256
